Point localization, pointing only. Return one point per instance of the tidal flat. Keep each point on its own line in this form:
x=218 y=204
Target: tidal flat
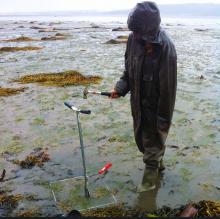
x=37 y=118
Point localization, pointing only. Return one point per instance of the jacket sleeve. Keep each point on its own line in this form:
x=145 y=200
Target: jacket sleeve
x=122 y=86
x=168 y=84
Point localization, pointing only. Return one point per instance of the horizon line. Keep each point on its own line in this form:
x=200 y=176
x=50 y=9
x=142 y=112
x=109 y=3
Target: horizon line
x=102 y=11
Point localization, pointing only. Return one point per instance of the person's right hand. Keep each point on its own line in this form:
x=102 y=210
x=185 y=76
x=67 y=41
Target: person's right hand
x=114 y=94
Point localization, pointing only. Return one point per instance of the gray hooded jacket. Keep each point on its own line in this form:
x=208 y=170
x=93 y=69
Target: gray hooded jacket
x=152 y=84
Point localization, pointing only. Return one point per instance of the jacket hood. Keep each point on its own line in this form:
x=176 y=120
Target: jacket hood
x=145 y=20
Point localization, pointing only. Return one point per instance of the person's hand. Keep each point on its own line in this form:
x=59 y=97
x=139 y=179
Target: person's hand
x=114 y=94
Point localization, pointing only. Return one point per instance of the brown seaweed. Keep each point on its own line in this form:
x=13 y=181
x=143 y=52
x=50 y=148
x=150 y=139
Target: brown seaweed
x=20 y=39
x=29 y=213
x=60 y=79
x=4 y=92
x=111 y=211
x=15 y=49
x=205 y=209
x=10 y=201
x=34 y=159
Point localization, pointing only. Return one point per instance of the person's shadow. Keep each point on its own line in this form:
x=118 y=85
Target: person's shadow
x=147 y=200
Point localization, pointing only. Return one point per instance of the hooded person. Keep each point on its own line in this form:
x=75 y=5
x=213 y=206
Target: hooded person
x=151 y=77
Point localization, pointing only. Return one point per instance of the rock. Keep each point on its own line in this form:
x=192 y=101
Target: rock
x=46 y=30
x=95 y=26
x=53 y=38
x=168 y=25
x=201 y=77
x=201 y=30
x=122 y=37
x=59 y=28
x=189 y=211
x=174 y=146
x=196 y=147
x=70 y=172
x=120 y=29
x=54 y=23
x=37 y=149
x=60 y=34
x=37 y=28
x=116 y=41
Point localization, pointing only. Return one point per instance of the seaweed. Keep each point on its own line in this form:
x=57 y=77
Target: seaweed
x=208 y=208
x=111 y=211
x=20 y=39
x=16 y=49
x=10 y=201
x=34 y=159
x=205 y=209
x=61 y=79
x=4 y=92
x=29 y=213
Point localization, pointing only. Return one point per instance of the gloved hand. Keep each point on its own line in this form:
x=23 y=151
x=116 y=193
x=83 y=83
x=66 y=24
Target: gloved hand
x=114 y=94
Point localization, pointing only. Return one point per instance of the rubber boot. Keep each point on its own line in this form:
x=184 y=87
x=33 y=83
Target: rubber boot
x=161 y=166
x=149 y=180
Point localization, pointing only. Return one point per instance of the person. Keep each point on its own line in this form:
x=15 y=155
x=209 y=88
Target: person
x=151 y=77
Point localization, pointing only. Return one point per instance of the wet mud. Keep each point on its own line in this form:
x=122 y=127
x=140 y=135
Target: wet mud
x=37 y=118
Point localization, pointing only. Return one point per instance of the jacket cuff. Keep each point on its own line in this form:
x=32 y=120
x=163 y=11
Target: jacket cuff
x=121 y=87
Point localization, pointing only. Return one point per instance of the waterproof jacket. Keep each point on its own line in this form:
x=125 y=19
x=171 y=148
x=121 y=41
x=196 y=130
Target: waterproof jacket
x=150 y=98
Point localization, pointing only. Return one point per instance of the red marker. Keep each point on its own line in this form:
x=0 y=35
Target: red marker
x=105 y=168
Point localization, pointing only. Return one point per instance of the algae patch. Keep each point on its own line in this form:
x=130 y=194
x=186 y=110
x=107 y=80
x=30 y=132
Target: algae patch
x=20 y=39
x=4 y=92
x=61 y=79
x=34 y=159
x=111 y=211
x=29 y=213
x=16 y=49
x=10 y=201
x=205 y=209
x=208 y=208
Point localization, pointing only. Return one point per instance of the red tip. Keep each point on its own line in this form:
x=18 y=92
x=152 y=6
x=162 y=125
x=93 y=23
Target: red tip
x=105 y=168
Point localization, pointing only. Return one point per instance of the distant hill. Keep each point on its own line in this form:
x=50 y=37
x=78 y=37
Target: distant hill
x=182 y=10
x=173 y=10
x=191 y=10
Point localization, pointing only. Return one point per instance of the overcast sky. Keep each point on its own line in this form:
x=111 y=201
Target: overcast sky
x=63 y=5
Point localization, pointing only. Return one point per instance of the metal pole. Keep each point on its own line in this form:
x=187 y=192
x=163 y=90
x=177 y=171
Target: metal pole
x=87 y=195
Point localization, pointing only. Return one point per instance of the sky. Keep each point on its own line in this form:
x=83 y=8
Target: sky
x=71 y=5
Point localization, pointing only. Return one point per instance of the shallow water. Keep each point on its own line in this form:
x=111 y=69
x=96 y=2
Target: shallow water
x=38 y=117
